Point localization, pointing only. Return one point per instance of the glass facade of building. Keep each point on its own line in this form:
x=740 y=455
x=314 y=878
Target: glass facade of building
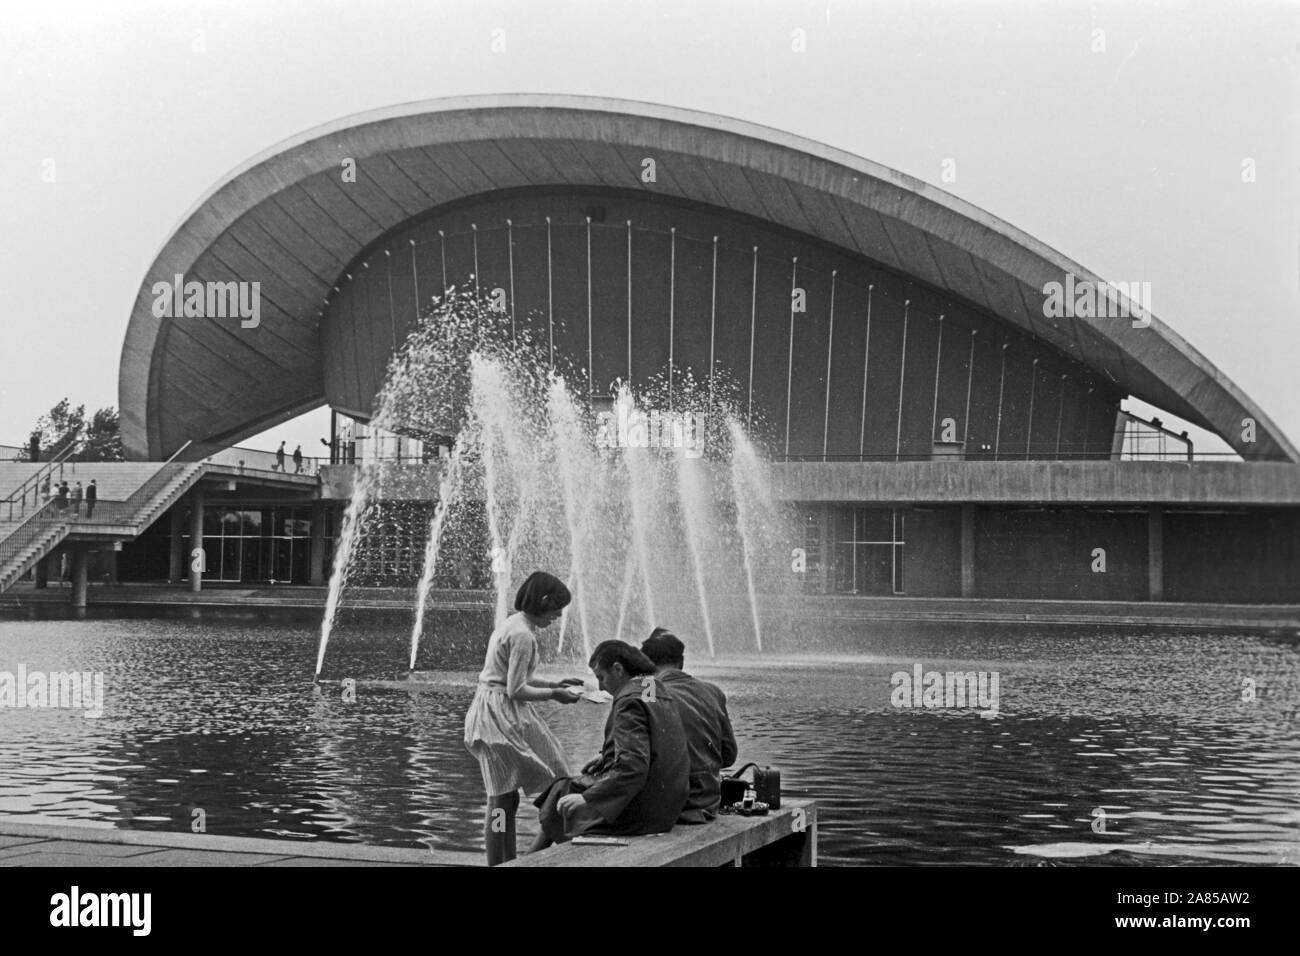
x=869 y=551
x=854 y=550
x=260 y=544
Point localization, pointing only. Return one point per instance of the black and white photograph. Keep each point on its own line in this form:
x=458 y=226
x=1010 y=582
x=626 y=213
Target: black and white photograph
x=854 y=434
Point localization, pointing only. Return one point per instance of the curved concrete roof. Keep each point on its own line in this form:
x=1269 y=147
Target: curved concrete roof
x=285 y=219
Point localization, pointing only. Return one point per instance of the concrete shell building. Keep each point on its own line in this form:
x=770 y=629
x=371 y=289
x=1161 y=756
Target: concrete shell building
x=941 y=434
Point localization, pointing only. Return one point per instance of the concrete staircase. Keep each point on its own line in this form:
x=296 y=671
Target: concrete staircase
x=37 y=537
x=160 y=491
x=152 y=490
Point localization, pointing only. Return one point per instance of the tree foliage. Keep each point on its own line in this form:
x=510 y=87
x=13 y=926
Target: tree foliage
x=65 y=426
x=103 y=439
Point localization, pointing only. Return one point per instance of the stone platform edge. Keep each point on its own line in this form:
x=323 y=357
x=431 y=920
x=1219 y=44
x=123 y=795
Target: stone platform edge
x=234 y=846
x=818 y=608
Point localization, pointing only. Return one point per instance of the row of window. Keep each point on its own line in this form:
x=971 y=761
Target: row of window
x=290 y=522
x=865 y=551
x=847 y=550
x=260 y=545
x=257 y=560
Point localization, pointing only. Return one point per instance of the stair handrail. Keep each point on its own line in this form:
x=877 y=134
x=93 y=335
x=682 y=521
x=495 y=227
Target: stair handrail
x=47 y=467
x=178 y=451
x=145 y=491
x=144 y=495
x=27 y=531
x=20 y=493
x=135 y=509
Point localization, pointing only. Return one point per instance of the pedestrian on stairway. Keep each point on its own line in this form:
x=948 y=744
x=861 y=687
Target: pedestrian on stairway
x=77 y=495
x=92 y=495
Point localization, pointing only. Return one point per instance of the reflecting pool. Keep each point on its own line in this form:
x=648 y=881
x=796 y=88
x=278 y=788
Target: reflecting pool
x=1108 y=746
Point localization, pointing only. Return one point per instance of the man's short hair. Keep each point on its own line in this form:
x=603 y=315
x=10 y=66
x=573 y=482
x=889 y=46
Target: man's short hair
x=664 y=648
x=609 y=653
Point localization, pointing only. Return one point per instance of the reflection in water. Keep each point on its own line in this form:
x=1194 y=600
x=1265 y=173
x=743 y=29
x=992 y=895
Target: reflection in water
x=1109 y=747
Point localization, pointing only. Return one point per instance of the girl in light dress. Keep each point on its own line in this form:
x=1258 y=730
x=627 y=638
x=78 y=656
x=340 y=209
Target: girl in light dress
x=503 y=729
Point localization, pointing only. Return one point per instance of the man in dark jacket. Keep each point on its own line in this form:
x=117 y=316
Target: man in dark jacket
x=639 y=783
x=710 y=741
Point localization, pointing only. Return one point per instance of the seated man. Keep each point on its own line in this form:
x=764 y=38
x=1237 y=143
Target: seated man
x=710 y=742
x=639 y=783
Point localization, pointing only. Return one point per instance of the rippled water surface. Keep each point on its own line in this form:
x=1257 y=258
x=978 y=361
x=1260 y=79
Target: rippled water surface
x=1108 y=746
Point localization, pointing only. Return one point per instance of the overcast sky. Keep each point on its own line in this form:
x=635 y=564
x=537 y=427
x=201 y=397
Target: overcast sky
x=1131 y=160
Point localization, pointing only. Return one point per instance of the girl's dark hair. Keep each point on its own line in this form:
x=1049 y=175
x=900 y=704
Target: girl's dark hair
x=609 y=653
x=541 y=593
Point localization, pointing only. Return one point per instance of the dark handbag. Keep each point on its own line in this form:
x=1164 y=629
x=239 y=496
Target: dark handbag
x=766 y=784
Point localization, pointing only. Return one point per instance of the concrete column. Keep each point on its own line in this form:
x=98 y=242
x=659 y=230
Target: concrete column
x=176 y=561
x=196 y=538
x=826 y=516
x=80 y=574
x=1156 y=553
x=968 y=551
x=54 y=566
x=317 y=560
x=42 y=573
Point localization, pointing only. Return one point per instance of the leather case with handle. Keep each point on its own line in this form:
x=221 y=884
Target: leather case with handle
x=766 y=784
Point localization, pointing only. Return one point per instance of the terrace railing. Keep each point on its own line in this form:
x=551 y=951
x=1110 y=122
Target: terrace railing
x=1099 y=453
x=259 y=460
x=1133 y=439
x=145 y=504
x=28 y=494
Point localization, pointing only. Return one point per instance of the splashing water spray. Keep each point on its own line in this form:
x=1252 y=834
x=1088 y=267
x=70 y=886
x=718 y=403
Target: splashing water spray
x=650 y=532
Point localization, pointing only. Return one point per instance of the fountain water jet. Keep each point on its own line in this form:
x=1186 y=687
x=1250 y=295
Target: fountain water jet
x=625 y=592
x=539 y=481
x=488 y=392
x=640 y=490
x=447 y=491
x=348 y=537
x=694 y=517
x=744 y=459
x=572 y=464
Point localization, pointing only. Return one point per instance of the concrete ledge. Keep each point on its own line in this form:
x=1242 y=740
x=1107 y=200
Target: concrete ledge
x=1043 y=611
x=1040 y=482
x=784 y=837
x=957 y=481
x=219 y=595
x=809 y=607
x=85 y=845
